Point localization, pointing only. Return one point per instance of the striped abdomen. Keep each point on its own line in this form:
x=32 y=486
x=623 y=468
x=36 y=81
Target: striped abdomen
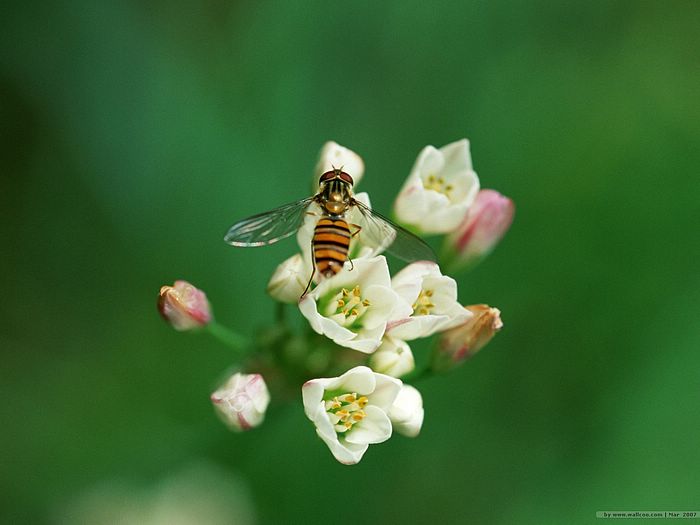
x=330 y=245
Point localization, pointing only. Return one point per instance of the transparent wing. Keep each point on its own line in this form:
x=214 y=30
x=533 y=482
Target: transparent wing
x=269 y=227
x=382 y=234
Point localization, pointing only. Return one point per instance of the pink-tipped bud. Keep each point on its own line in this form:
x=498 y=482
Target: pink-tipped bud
x=241 y=402
x=465 y=340
x=184 y=306
x=484 y=226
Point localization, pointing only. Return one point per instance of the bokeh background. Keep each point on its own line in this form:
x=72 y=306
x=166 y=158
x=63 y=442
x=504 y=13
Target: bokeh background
x=133 y=134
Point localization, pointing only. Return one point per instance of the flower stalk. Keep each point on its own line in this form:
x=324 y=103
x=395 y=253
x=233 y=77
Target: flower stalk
x=238 y=343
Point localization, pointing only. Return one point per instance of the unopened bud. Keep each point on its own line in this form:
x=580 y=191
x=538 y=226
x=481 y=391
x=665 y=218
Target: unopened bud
x=242 y=401
x=465 y=340
x=406 y=412
x=184 y=306
x=289 y=280
x=484 y=226
x=393 y=358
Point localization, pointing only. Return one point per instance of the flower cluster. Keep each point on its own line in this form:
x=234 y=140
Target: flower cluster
x=363 y=319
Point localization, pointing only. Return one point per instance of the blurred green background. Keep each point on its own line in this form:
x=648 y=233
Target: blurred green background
x=133 y=134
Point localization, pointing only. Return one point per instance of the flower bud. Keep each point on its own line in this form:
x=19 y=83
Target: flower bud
x=333 y=155
x=289 y=280
x=241 y=402
x=486 y=223
x=465 y=340
x=184 y=306
x=406 y=413
x=393 y=358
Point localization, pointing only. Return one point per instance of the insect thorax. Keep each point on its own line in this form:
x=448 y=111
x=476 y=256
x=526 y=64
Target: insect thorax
x=335 y=197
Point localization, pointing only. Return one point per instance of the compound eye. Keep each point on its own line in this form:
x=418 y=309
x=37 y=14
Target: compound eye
x=346 y=178
x=326 y=176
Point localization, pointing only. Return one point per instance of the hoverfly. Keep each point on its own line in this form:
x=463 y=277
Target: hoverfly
x=330 y=244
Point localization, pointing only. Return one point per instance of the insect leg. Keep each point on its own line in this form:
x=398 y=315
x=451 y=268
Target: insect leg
x=359 y=229
x=352 y=235
x=313 y=272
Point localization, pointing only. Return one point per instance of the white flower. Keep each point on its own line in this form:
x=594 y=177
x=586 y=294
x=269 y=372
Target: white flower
x=393 y=357
x=354 y=306
x=241 y=402
x=440 y=189
x=290 y=279
x=333 y=155
x=406 y=413
x=433 y=297
x=351 y=411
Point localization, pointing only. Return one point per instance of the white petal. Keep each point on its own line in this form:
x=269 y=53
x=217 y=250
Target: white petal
x=457 y=155
x=346 y=453
x=367 y=339
x=258 y=392
x=323 y=325
x=374 y=428
x=289 y=280
x=360 y=379
x=242 y=401
x=442 y=217
x=363 y=197
x=385 y=391
x=315 y=409
x=408 y=282
x=417 y=326
x=407 y=412
x=382 y=300
x=429 y=160
x=312 y=396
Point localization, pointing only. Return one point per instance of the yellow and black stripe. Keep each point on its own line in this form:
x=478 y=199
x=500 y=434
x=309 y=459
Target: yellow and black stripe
x=330 y=244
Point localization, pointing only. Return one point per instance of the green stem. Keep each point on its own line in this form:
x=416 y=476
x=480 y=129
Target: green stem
x=281 y=313
x=227 y=336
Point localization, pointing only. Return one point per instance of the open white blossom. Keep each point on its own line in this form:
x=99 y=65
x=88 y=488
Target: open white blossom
x=333 y=155
x=393 y=357
x=354 y=306
x=440 y=189
x=406 y=413
x=290 y=279
x=241 y=402
x=351 y=411
x=433 y=297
